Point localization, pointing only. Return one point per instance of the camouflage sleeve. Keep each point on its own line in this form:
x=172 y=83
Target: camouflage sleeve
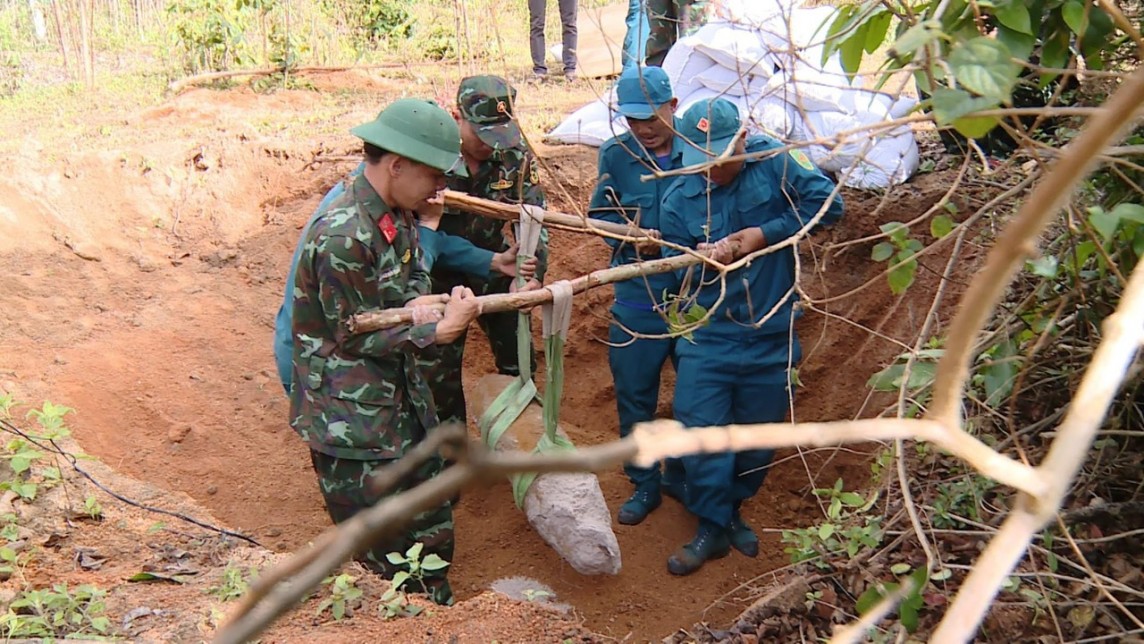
x=533 y=195
x=419 y=282
x=345 y=290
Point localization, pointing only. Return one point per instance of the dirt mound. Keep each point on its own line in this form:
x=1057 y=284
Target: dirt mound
x=163 y=349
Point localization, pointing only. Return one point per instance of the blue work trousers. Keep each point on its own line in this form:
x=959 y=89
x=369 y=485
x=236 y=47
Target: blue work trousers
x=719 y=383
x=636 y=367
x=635 y=39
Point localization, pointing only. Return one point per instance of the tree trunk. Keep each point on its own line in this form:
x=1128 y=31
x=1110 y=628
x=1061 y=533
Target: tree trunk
x=85 y=46
x=62 y=35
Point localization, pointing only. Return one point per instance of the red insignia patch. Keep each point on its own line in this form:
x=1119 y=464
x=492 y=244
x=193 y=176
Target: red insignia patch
x=388 y=228
x=703 y=125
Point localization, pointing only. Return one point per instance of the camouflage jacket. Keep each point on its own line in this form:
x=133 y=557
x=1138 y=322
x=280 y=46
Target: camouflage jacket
x=359 y=396
x=509 y=176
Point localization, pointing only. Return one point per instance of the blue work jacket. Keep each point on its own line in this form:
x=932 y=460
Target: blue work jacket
x=621 y=197
x=778 y=194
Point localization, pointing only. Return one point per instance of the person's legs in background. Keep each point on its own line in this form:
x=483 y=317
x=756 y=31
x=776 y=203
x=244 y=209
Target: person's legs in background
x=536 y=10
x=635 y=39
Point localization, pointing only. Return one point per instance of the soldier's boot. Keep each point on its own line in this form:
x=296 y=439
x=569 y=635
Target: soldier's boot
x=710 y=542
x=642 y=503
x=742 y=537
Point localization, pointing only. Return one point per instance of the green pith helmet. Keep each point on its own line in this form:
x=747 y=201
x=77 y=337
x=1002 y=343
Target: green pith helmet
x=417 y=129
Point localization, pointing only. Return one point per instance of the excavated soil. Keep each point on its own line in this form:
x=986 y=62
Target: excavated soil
x=142 y=280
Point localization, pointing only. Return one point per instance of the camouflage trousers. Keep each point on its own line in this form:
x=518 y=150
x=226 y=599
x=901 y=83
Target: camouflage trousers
x=667 y=21
x=344 y=486
x=445 y=373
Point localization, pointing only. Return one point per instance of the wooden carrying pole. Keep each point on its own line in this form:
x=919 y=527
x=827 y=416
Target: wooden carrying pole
x=374 y=320
x=498 y=210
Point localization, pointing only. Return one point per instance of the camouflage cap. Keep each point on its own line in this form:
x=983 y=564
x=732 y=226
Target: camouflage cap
x=486 y=102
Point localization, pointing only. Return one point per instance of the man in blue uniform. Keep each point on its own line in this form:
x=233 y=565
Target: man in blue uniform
x=737 y=368
x=645 y=98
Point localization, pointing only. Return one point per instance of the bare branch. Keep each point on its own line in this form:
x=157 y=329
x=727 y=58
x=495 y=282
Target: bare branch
x=372 y=321
x=1018 y=239
x=1124 y=331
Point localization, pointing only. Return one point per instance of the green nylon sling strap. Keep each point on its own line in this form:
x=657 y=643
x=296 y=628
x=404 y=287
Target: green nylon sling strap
x=511 y=403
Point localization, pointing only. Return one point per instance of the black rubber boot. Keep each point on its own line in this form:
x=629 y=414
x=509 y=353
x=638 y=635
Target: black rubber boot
x=710 y=542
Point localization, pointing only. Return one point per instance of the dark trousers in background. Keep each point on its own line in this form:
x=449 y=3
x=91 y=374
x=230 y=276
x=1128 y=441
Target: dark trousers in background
x=536 y=13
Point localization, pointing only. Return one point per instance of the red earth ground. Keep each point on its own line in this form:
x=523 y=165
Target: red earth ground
x=143 y=272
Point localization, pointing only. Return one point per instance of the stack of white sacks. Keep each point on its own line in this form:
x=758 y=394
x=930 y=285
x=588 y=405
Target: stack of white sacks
x=766 y=57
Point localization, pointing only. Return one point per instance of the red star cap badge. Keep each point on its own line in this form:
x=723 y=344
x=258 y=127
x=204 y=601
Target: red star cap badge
x=703 y=125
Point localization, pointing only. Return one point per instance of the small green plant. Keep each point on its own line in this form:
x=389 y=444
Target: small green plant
x=683 y=315
x=910 y=605
x=395 y=602
x=902 y=248
x=234 y=584
x=92 y=508
x=56 y=612
x=344 y=596
x=848 y=528
x=51 y=421
x=961 y=498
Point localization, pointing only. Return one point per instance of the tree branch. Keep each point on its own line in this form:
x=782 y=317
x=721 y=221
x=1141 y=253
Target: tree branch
x=575 y=223
x=374 y=320
x=1018 y=240
x=1124 y=331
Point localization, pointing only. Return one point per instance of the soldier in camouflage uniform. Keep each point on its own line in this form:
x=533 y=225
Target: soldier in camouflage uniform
x=362 y=401
x=669 y=20
x=502 y=169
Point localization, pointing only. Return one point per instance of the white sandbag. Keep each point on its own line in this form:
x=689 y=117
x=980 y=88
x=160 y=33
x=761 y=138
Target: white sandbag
x=903 y=106
x=892 y=160
x=753 y=13
x=592 y=125
x=861 y=160
x=801 y=28
x=684 y=65
x=721 y=79
x=773 y=116
x=737 y=49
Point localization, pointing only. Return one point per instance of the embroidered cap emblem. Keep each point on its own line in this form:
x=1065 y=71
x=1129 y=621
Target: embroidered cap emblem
x=501 y=107
x=703 y=125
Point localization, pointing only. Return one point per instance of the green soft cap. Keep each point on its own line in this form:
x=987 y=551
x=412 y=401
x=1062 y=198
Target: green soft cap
x=417 y=129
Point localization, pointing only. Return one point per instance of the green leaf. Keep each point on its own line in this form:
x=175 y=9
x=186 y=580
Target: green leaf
x=414 y=551
x=154 y=576
x=825 y=531
x=951 y=105
x=851 y=499
x=882 y=252
x=902 y=277
x=400 y=577
x=1045 y=266
x=1020 y=45
x=1000 y=376
x=896 y=230
x=1073 y=14
x=1015 y=16
x=1103 y=222
x=433 y=562
x=851 y=49
x=900 y=568
x=915 y=38
x=1055 y=50
x=984 y=66
x=395 y=558
x=339 y=610
x=942 y=574
x=876 y=28
x=1130 y=211
x=940 y=226
x=873 y=595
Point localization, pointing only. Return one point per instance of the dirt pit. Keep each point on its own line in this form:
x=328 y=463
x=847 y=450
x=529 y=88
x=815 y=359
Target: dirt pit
x=144 y=273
